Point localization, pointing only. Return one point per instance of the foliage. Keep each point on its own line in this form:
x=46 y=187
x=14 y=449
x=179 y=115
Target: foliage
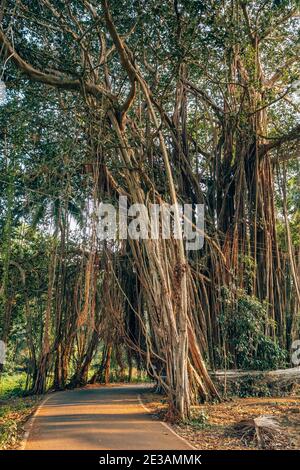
x=12 y=385
x=13 y=414
x=199 y=420
x=244 y=323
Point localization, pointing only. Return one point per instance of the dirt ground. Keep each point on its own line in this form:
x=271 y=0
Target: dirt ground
x=14 y=413
x=211 y=425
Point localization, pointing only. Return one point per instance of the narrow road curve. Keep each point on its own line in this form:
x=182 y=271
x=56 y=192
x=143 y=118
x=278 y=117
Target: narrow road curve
x=103 y=418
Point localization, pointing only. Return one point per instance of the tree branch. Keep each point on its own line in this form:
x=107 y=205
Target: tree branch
x=205 y=97
x=294 y=134
x=125 y=60
x=51 y=79
x=247 y=20
x=280 y=71
x=294 y=12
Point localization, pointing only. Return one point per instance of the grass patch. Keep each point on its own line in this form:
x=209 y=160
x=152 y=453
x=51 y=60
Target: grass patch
x=12 y=385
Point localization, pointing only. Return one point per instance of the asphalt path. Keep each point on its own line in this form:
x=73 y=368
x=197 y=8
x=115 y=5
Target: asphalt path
x=103 y=418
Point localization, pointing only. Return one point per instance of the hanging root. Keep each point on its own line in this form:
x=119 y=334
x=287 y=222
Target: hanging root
x=263 y=432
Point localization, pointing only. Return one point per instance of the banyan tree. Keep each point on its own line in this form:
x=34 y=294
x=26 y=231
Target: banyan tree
x=166 y=103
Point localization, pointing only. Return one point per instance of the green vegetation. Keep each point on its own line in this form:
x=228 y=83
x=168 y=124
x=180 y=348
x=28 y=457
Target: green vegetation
x=12 y=385
x=199 y=420
x=15 y=408
x=245 y=326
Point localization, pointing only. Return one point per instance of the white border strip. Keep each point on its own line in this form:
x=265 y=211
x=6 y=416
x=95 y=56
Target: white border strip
x=29 y=424
x=167 y=425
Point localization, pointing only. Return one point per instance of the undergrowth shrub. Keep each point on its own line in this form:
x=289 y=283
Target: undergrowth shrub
x=244 y=325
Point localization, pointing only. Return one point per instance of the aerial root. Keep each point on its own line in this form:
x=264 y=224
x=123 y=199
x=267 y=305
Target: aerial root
x=263 y=431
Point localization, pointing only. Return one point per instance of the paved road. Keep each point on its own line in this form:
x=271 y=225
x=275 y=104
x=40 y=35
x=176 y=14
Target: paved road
x=99 y=418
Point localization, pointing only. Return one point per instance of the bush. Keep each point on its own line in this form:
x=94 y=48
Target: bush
x=12 y=385
x=243 y=324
